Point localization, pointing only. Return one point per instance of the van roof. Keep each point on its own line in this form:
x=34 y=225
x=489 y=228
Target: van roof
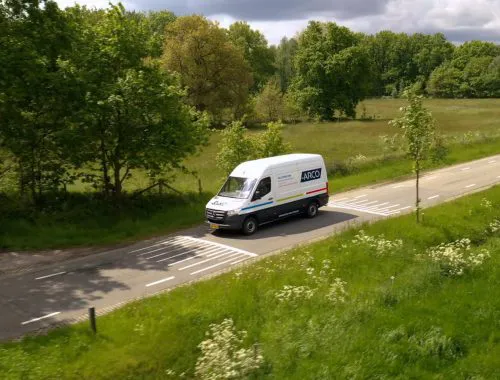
x=255 y=168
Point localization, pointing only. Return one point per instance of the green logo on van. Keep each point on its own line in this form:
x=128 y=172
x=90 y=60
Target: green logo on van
x=310 y=175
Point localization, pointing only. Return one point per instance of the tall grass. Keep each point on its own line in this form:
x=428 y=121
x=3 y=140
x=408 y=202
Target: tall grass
x=400 y=316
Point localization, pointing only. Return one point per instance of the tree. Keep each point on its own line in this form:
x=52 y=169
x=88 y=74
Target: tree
x=418 y=127
x=235 y=147
x=259 y=56
x=212 y=69
x=271 y=142
x=333 y=70
x=37 y=93
x=133 y=116
x=445 y=82
x=285 y=54
x=269 y=102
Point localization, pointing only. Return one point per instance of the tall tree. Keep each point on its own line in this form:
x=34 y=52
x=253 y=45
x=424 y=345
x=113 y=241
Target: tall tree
x=418 y=127
x=214 y=71
x=333 y=70
x=134 y=116
x=285 y=54
x=254 y=46
x=37 y=92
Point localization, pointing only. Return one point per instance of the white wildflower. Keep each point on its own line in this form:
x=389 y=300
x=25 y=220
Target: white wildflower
x=337 y=292
x=486 y=203
x=457 y=257
x=222 y=356
x=494 y=226
x=380 y=244
x=293 y=293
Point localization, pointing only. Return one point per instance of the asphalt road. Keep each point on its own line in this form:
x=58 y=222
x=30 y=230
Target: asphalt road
x=62 y=293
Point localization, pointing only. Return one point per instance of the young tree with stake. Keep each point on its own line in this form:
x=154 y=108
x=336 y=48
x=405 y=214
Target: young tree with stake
x=418 y=127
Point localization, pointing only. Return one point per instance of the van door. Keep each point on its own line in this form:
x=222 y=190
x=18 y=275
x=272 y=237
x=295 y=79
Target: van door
x=263 y=196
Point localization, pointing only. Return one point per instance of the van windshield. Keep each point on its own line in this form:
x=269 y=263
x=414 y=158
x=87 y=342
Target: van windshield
x=237 y=187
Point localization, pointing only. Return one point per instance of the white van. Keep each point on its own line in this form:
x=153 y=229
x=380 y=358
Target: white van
x=261 y=191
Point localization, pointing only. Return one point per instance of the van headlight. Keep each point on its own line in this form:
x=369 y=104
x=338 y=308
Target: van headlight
x=233 y=212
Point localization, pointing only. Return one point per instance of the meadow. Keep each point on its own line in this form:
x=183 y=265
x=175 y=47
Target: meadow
x=393 y=299
x=355 y=154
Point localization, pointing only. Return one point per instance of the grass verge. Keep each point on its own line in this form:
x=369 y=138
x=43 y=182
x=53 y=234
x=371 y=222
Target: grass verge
x=402 y=316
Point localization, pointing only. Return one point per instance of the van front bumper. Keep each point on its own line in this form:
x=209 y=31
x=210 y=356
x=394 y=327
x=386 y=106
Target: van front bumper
x=234 y=222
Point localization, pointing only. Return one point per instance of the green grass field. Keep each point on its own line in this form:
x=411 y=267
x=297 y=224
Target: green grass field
x=403 y=316
x=472 y=126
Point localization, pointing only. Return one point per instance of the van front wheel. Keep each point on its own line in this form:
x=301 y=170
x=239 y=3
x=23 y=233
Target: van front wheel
x=312 y=210
x=249 y=226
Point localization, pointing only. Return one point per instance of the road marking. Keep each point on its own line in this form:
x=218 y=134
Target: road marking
x=492 y=161
x=434 y=196
x=218 y=252
x=376 y=207
x=431 y=177
x=160 y=281
x=40 y=318
x=221 y=245
x=398 y=186
x=207 y=260
x=184 y=250
x=361 y=209
x=359 y=196
x=213 y=266
x=388 y=207
x=402 y=208
x=463 y=169
x=187 y=252
x=341 y=199
x=50 y=275
x=473 y=184
x=154 y=245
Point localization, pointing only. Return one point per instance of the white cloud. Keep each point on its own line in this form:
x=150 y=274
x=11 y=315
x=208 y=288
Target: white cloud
x=459 y=20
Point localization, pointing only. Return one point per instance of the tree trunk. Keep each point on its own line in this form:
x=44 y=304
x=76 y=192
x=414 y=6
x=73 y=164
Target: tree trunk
x=104 y=167
x=118 y=181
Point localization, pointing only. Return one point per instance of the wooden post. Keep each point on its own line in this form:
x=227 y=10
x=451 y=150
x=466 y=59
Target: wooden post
x=92 y=319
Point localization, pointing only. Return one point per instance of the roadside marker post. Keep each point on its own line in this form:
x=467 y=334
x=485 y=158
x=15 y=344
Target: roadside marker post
x=92 y=319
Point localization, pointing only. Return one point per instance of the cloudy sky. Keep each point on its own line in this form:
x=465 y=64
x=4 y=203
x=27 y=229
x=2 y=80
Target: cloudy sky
x=459 y=20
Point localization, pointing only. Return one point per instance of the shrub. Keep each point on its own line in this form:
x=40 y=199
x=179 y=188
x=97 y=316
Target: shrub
x=222 y=354
x=457 y=257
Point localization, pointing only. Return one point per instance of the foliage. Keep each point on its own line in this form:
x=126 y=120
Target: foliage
x=418 y=128
x=236 y=146
x=254 y=46
x=210 y=66
x=285 y=55
x=222 y=356
x=37 y=92
x=269 y=103
x=333 y=71
x=457 y=257
x=133 y=115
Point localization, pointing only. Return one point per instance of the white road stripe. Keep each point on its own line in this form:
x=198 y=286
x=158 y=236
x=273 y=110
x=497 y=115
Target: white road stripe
x=40 y=318
x=160 y=281
x=341 y=199
x=402 y=208
x=50 y=275
x=463 y=169
x=207 y=260
x=434 y=196
x=359 y=202
x=492 y=161
x=184 y=250
x=221 y=245
x=357 y=209
x=472 y=184
x=218 y=264
x=218 y=252
x=175 y=246
x=429 y=178
x=388 y=207
x=376 y=207
x=359 y=196
x=398 y=186
x=154 y=245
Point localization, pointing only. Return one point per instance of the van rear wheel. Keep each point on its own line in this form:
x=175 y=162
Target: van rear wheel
x=312 y=210
x=249 y=226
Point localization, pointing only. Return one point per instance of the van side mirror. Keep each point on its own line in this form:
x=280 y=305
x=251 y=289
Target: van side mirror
x=257 y=195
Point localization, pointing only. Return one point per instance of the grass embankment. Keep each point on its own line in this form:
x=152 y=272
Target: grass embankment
x=73 y=223
x=402 y=316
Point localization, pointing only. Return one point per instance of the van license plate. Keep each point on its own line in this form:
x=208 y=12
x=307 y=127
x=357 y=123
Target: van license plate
x=214 y=226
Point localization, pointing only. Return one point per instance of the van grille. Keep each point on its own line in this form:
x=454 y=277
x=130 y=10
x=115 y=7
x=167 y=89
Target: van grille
x=215 y=215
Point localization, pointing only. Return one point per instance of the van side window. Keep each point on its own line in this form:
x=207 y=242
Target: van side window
x=263 y=188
